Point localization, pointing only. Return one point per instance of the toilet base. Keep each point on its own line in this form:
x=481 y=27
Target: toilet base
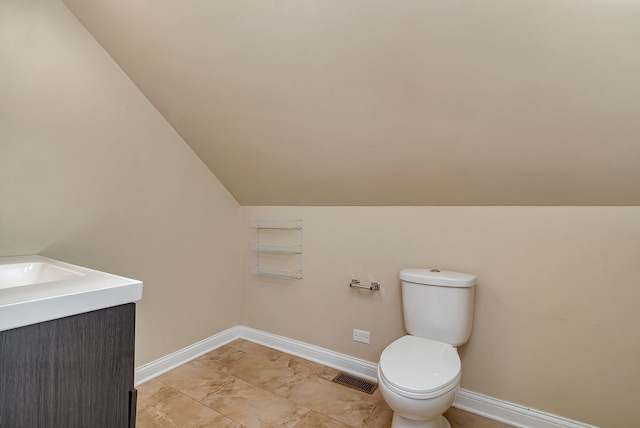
x=400 y=422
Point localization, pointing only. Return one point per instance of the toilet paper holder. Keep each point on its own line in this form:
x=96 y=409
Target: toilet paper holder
x=375 y=286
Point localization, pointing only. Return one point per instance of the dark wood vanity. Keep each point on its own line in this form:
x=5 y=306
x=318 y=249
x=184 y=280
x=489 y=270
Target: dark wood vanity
x=72 y=372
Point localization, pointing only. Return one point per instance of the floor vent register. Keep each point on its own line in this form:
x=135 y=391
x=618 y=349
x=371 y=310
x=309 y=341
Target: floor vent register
x=355 y=383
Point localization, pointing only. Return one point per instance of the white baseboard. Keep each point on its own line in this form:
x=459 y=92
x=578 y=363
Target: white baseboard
x=473 y=402
x=326 y=357
x=169 y=362
x=511 y=413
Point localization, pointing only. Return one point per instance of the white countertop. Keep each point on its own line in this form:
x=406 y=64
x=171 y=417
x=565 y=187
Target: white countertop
x=84 y=290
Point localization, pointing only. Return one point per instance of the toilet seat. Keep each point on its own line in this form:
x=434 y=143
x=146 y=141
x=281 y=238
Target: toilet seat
x=420 y=368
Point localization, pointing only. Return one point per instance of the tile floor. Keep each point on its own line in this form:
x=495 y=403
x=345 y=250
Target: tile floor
x=243 y=384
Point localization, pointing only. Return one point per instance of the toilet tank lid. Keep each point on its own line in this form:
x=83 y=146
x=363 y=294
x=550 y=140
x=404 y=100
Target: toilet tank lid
x=442 y=278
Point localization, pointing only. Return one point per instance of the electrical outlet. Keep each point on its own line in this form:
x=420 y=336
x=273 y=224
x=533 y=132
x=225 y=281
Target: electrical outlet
x=361 y=336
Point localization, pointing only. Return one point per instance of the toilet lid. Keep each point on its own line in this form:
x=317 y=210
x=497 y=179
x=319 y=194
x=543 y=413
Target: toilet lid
x=419 y=365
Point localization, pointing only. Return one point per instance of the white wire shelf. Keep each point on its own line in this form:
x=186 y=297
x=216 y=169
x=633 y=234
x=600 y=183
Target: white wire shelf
x=276 y=273
x=276 y=224
x=283 y=255
x=275 y=249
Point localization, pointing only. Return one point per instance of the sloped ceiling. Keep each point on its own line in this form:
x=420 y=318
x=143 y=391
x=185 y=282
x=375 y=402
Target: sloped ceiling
x=382 y=102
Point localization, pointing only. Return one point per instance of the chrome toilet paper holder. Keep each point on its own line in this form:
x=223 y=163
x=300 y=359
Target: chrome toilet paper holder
x=375 y=286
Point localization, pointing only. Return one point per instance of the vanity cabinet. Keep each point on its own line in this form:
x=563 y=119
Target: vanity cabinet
x=72 y=372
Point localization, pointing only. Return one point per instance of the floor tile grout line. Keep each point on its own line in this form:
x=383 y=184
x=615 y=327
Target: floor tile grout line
x=373 y=411
x=218 y=411
x=365 y=421
x=198 y=401
x=231 y=344
x=256 y=386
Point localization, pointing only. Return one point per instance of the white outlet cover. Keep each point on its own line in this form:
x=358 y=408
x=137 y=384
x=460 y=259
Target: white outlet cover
x=361 y=336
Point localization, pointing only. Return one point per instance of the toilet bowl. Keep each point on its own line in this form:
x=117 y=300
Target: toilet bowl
x=418 y=378
x=419 y=374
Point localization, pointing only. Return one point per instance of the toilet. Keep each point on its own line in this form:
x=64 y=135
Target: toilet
x=419 y=374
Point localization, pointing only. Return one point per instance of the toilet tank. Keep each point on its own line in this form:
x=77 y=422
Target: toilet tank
x=438 y=305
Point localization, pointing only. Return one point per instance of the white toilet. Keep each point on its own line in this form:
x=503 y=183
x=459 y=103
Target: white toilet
x=419 y=374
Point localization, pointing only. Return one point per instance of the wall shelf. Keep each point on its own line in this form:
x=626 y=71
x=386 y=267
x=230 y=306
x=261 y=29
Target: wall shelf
x=275 y=249
x=276 y=273
x=278 y=248
x=276 y=224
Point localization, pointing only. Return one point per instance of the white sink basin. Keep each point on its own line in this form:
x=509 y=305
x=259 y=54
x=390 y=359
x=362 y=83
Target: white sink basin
x=19 y=274
x=34 y=289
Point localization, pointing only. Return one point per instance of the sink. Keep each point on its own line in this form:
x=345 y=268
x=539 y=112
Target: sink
x=35 y=289
x=19 y=274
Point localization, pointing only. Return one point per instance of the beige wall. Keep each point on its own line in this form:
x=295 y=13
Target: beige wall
x=506 y=102
x=557 y=297
x=90 y=173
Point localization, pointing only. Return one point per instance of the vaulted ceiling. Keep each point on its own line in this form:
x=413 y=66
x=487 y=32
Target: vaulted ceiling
x=383 y=102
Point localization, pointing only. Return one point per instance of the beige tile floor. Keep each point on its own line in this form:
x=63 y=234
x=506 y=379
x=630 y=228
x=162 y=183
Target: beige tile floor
x=244 y=384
